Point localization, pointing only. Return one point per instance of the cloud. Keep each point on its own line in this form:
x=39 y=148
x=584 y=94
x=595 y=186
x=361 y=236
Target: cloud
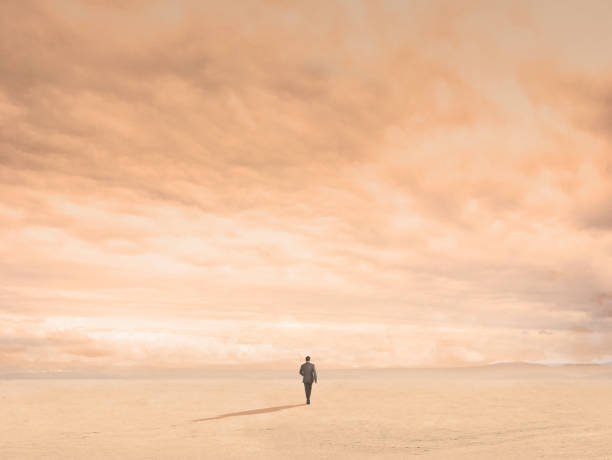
x=97 y=344
x=390 y=165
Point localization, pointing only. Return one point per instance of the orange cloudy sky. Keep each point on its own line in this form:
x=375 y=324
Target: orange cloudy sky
x=372 y=183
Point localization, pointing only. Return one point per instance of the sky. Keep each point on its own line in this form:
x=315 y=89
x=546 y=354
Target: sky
x=376 y=184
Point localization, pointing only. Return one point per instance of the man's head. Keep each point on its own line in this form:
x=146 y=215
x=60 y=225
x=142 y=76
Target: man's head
x=307 y=358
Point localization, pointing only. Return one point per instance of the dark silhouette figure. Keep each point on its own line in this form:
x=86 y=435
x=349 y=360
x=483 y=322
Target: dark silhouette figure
x=310 y=374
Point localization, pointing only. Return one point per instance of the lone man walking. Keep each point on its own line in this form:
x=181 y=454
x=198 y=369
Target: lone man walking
x=310 y=374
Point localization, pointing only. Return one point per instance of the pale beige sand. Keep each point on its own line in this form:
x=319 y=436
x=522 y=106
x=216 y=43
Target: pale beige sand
x=469 y=415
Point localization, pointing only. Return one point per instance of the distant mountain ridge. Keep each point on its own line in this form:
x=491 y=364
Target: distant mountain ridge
x=509 y=369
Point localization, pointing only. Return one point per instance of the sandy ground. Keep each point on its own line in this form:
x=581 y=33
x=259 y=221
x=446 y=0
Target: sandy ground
x=470 y=415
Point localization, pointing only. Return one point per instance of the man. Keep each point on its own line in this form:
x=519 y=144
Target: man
x=310 y=373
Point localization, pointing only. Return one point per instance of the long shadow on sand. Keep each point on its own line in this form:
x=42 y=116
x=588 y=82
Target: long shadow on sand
x=249 y=412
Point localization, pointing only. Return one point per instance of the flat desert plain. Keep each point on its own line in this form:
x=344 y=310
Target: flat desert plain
x=492 y=412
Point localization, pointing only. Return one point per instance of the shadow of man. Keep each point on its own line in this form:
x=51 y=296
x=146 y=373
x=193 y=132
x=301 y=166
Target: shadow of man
x=249 y=412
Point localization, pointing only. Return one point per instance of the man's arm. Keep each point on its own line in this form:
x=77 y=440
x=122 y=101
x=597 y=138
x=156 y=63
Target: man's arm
x=314 y=373
x=302 y=369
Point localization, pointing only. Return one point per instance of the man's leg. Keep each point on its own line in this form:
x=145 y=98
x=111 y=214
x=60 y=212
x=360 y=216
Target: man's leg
x=308 y=389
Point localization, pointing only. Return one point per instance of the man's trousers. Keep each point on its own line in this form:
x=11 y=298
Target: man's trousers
x=308 y=389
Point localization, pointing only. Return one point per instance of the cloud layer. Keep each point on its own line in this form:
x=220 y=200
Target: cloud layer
x=372 y=184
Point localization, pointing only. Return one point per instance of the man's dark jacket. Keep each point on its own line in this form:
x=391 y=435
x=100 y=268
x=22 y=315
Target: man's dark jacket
x=309 y=372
